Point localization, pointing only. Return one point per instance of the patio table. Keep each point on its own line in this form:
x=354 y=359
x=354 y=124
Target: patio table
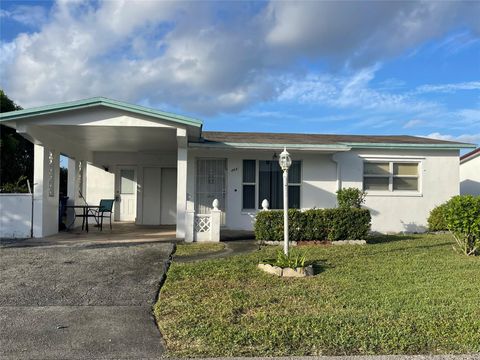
x=85 y=213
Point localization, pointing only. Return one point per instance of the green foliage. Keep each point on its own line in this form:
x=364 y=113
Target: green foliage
x=293 y=260
x=315 y=224
x=463 y=220
x=350 y=197
x=409 y=294
x=16 y=153
x=436 y=219
x=20 y=186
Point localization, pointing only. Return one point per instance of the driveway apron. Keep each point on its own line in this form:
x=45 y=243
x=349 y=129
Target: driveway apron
x=80 y=301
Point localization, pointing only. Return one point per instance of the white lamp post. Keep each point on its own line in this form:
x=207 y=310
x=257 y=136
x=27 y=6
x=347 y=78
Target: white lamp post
x=285 y=161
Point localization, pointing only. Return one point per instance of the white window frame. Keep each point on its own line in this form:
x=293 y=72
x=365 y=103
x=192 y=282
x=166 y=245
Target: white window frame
x=391 y=161
x=257 y=179
x=251 y=183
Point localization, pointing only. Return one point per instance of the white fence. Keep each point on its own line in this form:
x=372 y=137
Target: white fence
x=15 y=215
x=204 y=227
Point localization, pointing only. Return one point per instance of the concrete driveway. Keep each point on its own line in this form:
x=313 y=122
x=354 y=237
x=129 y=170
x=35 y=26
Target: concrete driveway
x=80 y=301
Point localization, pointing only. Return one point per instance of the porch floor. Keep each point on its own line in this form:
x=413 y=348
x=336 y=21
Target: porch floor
x=121 y=233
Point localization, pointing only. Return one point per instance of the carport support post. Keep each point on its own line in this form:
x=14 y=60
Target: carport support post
x=45 y=203
x=181 y=181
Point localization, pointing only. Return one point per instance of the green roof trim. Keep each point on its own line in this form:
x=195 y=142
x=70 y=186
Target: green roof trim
x=439 y=146
x=99 y=101
x=339 y=147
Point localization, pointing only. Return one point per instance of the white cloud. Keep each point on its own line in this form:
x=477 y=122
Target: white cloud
x=448 y=88
x=350 y=91
x=28 y=15
x=413 y=123
x=210 y=57
x=467 y=138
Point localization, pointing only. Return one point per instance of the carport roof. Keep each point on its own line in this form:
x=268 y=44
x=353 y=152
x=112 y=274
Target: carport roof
x=99 y=101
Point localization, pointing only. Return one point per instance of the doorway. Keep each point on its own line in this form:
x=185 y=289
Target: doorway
x=126 y=193
x=159 y=196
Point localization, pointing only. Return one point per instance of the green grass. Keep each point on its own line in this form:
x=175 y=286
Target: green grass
x=198 y=248
x=410 y=295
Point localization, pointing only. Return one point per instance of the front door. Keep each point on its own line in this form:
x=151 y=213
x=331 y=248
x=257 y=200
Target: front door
x=126 y=193
x=211 y=184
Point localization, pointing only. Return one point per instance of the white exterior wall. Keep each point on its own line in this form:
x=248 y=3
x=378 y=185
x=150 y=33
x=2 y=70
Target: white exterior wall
x=100 y=183
x=470 y=176
x=438 y=182
x=317 y=190
x=15 y=215
x=391 y=212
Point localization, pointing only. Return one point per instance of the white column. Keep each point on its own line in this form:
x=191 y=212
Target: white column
x=39 y=166
x=45 y=191
x=182 y=157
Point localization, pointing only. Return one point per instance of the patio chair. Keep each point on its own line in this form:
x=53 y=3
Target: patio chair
x=105 y=210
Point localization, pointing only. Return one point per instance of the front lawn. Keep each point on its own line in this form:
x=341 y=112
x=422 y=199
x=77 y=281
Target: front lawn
x=410 y=295
x=194 y=249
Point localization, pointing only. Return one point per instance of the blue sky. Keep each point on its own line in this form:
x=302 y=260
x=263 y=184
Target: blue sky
x=320 y=67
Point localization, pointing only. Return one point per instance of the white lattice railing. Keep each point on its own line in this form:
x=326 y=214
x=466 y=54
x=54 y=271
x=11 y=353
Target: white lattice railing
x=202 y=223
x=203 y=227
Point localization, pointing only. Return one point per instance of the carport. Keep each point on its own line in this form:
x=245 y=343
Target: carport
x=142 y=151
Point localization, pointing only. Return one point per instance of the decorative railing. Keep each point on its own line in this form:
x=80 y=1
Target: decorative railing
x=203 y=227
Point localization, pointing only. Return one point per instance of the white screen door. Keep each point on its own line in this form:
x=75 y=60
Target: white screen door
x=211 y=179
x=127 y=193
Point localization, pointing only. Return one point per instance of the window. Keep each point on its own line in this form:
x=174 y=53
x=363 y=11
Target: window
x=390 y=176
x=249 y=180
x=270 y=184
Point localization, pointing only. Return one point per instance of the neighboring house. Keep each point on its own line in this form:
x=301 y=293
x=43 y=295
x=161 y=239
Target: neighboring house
x=161 y=167
x=470 y=173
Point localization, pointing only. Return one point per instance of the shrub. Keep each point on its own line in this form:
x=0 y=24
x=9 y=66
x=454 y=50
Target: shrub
x=20 y=186
x=350 y=197
x=293 y=260
x=463 y=220
x=315 y=224
x=436 y=219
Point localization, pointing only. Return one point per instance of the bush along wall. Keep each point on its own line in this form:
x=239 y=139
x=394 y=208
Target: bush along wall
x=316 y=224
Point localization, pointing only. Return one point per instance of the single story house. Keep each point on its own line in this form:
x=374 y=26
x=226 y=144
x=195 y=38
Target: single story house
x=160 y=167
x=470 y=173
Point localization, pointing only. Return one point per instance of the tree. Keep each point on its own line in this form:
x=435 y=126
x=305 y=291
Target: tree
x=16 y=152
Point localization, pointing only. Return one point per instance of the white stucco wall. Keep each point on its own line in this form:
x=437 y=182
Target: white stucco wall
x=391 y=212
x=101 y=184
x=397 y=212
x=470 y=176
x=15 y=215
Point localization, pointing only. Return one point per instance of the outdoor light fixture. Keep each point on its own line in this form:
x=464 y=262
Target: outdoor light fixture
x=285 y=161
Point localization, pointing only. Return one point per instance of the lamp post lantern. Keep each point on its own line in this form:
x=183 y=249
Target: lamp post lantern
x=285 y=161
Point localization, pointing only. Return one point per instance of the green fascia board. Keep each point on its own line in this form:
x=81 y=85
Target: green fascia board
x=446 y=146
x=99 y=101
x=338 y=147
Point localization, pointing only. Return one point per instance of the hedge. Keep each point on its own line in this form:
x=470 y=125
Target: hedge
x=436 y=219
x=316 y=224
